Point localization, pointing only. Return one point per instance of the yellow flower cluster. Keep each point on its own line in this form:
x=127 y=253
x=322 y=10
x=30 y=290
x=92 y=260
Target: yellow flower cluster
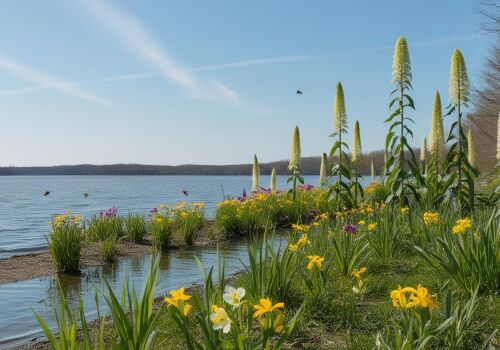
x=405 y=210
x=461 y=225
x=198 y=205
x=431 y=218
x=321 y=217
x=314 y=260
x=372 y=227
x=301 y=228
x=302 y=242
x=66 y=218
x=409 y=297
x=177 y=299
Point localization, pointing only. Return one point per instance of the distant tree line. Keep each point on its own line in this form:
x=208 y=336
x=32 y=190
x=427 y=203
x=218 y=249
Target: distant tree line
x=311 y=166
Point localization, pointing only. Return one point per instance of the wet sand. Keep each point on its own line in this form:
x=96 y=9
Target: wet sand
x=35 y=265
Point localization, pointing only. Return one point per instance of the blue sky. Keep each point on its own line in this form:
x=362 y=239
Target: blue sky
x=213 y=82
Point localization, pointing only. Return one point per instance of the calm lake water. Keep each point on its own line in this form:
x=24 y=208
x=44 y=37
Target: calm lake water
x=178 y=269
x=24 y=220
x=25 y=213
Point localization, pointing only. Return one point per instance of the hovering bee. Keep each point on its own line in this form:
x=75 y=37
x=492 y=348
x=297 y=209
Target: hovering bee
x=46 y=193
x=185 y=192
x=85 y=195
x=299 y=92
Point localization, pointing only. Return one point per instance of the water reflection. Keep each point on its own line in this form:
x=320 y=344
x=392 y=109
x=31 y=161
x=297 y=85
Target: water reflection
x=178 y=268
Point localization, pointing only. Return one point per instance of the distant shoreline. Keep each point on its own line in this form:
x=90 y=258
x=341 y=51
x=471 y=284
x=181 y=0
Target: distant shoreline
x=310 y=166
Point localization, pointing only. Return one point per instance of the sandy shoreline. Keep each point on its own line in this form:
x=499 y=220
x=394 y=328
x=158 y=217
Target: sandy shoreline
x=28 y=266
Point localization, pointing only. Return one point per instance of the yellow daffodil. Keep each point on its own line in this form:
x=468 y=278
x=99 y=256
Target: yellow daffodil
x=293 y=247
x=372 y=227
x=361 y=222
x=303 y=240
x=417 y=297
x=399 y=299
x=358 y=273
x=266 y=306
x=177 y=299
x=461 y=225
x=315 y=260
x=421 y=297
x=220 y=319
x=431 y=218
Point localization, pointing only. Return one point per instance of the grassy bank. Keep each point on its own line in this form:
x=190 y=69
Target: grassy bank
x=338 y=278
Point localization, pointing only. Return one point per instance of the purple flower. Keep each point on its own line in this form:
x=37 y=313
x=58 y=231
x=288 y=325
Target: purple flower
x=243 y=196
x=305 y=187
x=350 y=228
x=154 y=211
x=264 y=190
x=110 y=213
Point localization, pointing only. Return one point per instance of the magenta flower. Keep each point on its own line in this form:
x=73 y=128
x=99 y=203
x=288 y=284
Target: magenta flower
x=350 y=228
x=305 y=187
x=110 y=213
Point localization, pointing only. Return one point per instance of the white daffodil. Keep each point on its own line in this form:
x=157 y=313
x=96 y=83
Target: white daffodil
x=220 y=319
x=233 y=296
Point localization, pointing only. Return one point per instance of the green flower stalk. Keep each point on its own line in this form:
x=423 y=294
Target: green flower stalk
x=401 y=66
x=437 y=146
x=373 y=171
x=323 y=169
x=295 y=165
x=339 y=111
x=459 y=95
x=356 y=145
x=459 y=81
x=471 y=149
x=255 y=174
x=273 y=180
x=423 y=154
x=401 y=74
x=339 y=124
x=356 y=155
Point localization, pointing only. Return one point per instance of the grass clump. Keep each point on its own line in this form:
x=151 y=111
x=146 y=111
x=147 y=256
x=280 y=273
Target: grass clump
x=162 y=228
x=65 y=242
x=108 y=249
x=188 y=220
x=101 y=228
x=136 y=227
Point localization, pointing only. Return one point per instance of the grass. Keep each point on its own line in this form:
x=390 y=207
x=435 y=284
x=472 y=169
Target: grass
x=65 y=243
x=188 y=221
x=136 y=227
x=162 y=228
x=100 y=228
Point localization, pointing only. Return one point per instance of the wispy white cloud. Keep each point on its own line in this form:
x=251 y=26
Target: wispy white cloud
x=222 y=90
x=132 y=32
x=45 y=81
x=255 y=62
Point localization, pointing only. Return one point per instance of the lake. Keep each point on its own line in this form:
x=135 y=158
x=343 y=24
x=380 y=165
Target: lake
x=25 y=213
